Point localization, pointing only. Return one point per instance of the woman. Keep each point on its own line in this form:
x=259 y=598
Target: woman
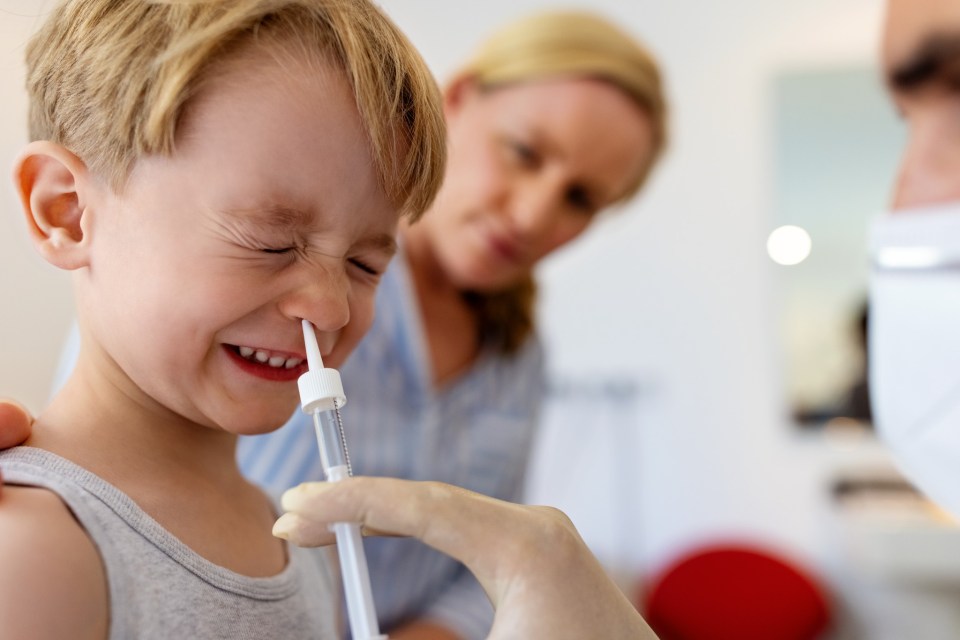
x=555 y=118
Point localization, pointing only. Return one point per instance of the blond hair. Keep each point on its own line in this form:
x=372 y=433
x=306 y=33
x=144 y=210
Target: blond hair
x=110 y=79
x=550 y=45
x=576 y=44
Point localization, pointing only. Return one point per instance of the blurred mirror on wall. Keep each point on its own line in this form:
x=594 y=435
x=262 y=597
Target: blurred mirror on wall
x=836 y=143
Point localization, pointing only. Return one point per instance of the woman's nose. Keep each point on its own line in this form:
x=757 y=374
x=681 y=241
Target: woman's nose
x=534 y=209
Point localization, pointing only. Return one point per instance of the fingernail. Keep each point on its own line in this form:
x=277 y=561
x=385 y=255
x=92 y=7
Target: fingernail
x=292 y=498
x=284 y=526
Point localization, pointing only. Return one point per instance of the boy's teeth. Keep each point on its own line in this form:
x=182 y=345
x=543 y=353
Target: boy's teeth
x=264 y=357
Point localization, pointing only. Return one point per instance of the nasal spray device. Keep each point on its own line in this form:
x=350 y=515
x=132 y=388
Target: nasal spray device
x=321 y=396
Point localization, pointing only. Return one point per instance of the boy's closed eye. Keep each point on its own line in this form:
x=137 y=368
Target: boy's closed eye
x=366 y=267
x=285 y=249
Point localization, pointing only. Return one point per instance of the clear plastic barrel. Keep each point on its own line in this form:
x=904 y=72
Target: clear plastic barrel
x=329 y=438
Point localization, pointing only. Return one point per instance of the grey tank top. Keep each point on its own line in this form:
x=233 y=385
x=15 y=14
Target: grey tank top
x=160 y=588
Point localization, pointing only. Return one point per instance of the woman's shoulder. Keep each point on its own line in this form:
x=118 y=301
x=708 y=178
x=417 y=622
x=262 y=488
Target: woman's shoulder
x=53 y=584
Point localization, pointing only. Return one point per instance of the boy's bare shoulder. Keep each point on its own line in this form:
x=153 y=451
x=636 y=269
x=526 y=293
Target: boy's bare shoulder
x=52 y=584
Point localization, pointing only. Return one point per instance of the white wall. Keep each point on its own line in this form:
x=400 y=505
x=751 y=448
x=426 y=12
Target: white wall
x=676 y=291
x=35 y=302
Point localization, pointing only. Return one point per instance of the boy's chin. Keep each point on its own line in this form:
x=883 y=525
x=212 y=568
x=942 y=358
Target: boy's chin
x=255 y=423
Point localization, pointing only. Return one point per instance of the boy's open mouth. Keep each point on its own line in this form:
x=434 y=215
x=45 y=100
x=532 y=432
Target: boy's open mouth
x=267 y=364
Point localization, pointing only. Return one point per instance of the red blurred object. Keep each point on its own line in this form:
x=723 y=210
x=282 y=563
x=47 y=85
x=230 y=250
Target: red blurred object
x=736 y=592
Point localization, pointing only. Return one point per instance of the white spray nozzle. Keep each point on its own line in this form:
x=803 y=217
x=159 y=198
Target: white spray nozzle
x=314 y=359
x=320 y=388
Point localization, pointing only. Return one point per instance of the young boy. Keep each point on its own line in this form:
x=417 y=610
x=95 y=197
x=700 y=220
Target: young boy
x=211 y=172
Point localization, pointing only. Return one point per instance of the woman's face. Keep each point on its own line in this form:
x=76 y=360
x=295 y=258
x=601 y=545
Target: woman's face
x=530 y=165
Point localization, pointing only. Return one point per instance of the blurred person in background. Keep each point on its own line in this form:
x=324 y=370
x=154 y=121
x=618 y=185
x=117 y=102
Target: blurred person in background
x=915 y=287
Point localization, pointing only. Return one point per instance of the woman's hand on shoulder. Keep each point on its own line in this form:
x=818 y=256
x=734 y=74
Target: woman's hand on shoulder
x=16 y=423
x=538 y=573
x=52 y=582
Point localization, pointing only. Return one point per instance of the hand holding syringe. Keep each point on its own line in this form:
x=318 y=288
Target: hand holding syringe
x=321 y=395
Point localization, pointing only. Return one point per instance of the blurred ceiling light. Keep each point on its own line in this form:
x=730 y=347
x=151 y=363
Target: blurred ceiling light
x=789 y=245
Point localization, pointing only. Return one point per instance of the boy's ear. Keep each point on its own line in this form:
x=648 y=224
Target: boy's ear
x=50 y=181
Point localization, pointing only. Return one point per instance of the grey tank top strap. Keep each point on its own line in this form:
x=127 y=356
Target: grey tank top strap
x=159 y=587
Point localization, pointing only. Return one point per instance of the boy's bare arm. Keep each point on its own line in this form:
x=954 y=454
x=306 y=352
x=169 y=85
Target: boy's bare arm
x=52 y=583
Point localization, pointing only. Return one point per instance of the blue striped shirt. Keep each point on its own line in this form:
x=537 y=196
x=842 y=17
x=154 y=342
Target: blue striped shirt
x=475 y=432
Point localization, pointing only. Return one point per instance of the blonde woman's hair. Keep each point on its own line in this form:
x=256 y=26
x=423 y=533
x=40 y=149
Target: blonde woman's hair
x=111 y=79
x=551 y=45
x=581 y=45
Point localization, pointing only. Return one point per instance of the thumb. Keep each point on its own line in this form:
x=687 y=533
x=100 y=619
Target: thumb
x=16 y=423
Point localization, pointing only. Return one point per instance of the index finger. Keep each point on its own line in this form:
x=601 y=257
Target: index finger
x=460 y=523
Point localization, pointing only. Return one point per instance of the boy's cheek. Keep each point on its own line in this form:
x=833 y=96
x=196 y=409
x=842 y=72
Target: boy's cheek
x=356 y=329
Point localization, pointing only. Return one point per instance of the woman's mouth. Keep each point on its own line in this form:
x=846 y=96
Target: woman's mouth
x=267 y=364
x=505 y=248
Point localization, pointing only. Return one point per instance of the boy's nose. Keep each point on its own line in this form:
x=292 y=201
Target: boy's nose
x=322 y=297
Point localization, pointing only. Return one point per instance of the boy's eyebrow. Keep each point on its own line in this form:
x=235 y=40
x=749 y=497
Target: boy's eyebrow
x=275 y=216
x=936 y=59
x=380 y=242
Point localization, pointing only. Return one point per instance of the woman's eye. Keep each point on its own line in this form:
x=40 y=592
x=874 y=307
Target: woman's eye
x=579 y=198
x=523 y=153
x=278 y=250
